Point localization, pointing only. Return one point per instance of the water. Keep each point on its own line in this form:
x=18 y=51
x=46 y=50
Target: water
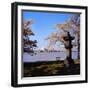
x=47 y=56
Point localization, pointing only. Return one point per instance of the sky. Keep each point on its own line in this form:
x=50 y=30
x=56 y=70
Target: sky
x=44 y=24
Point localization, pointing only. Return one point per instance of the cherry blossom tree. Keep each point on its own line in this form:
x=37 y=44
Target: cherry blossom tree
x=28 y=44
x=73 y=24
x=66 y=38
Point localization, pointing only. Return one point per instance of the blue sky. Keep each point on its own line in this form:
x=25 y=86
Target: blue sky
x=44 y=24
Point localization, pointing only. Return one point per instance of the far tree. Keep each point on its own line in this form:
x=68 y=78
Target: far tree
x=52 y=39
x=28 y=44
x=75 y=22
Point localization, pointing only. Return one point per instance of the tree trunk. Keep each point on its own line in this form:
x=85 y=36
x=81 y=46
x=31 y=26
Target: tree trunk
x=69 y=50
x=78 y=49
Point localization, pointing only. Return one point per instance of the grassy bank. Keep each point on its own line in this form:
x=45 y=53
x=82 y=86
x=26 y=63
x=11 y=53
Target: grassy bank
x=50 y=68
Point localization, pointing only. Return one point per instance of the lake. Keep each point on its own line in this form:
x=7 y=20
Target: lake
x=47 y=56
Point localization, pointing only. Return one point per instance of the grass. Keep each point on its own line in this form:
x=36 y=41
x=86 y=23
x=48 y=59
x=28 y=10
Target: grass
x=50 y=68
